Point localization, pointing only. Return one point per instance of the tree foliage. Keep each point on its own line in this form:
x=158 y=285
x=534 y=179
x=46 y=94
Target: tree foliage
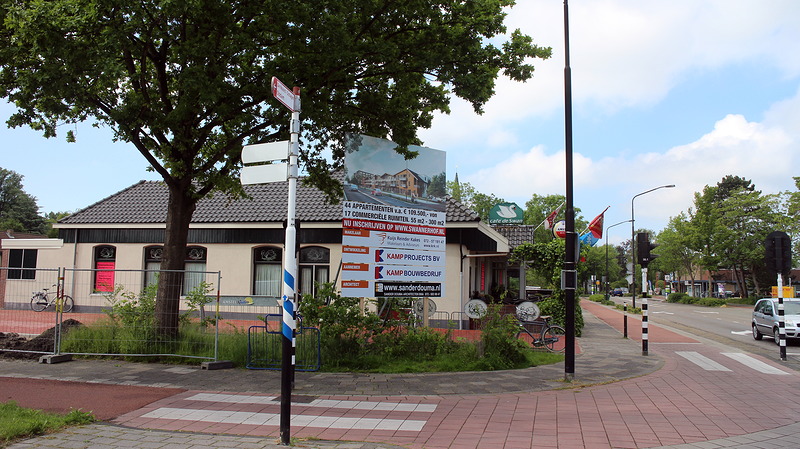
x=18 y=210
x=187 y=83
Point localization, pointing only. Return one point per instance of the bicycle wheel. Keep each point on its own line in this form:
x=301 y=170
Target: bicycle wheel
x=526 y=338
x=68 y=303
x=553 y=338
x=39 y=302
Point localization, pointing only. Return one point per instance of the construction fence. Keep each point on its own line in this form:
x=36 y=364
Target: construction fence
x=116 y=313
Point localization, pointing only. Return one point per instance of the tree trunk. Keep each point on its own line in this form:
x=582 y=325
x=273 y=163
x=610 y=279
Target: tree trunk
x=179 y=215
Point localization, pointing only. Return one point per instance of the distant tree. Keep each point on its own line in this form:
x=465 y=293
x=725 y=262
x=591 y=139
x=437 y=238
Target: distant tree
x=18 y=210
x=52 y=218
x=729 y=223
x=480 y=203
x=438 y=186
x=188 y=83
x=675 y=248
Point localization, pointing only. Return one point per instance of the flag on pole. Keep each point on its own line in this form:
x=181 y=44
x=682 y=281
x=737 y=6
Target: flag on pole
x=588 y=239
x=596 y=226
x=548 y=222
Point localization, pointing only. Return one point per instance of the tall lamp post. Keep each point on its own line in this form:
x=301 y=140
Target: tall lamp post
x=633 y=269
x=615 y=224
x=633 y=239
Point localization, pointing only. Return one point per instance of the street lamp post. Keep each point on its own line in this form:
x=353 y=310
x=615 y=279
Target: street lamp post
x=633 y=269
x=606 y=280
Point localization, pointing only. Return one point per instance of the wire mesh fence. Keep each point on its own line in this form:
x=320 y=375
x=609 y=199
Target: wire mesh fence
x=110 y=312
x=28 y=300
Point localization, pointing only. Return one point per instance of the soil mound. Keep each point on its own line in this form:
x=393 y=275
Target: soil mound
x=44 y=342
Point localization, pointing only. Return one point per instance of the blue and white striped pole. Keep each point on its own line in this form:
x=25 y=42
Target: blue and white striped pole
x=290 y=279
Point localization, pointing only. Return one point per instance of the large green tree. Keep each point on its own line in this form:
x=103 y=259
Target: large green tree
x=18 y=210
x=729 y=223
x=188 y=82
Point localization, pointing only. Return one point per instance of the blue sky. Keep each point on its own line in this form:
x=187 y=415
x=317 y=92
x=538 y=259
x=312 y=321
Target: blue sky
x=681 y=92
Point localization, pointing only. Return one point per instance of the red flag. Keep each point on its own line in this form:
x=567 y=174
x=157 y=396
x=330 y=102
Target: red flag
x=548 y=222
x=596 y=226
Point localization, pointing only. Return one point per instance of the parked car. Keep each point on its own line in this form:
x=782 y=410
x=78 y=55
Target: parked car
x=765 y=318
x=619 y=292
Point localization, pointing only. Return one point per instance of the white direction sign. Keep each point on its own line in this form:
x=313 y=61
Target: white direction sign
x=263 y=152
x=285 y=95
x=262 y=174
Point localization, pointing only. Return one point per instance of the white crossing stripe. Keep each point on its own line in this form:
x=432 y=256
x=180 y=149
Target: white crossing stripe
x=751 y=362
x=701 y=361
x=327 y=403
x=273 y=419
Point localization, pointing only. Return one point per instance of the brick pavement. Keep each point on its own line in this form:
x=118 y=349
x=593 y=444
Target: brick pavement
x=687 y=393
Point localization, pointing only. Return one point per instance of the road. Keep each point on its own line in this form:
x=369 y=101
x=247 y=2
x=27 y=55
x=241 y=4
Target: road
x=728 y=325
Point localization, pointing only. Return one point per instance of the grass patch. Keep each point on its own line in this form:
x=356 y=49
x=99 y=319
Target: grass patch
x=17 y=422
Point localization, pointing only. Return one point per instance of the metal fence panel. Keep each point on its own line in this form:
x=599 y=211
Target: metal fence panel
x=23 y=330
x=265 y=346
x=118 y=309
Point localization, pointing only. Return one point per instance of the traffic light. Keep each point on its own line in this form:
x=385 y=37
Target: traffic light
x=778 y=253
x=643 y=248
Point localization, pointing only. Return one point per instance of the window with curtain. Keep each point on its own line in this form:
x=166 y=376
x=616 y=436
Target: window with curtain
x=194 y=267
x=267 y=271
x=152 y=264
x=314 y=268
x=105 y=257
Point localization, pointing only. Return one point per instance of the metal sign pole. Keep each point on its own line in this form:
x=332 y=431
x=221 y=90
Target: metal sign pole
x=289 y=278
x=645 y=324
x=781 y=319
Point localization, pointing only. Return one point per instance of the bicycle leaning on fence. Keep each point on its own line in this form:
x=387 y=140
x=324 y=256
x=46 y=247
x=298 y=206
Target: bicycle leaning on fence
x=536 y=330
x=43 y=299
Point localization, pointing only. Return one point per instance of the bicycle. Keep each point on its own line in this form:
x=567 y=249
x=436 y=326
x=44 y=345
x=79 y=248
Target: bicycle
x=548 y=336
x=41 y=300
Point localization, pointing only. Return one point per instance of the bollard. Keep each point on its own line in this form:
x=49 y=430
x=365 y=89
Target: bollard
x=625 y=319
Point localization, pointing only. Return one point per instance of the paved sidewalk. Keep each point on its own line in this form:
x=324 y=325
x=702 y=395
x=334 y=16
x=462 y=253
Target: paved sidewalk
x=619 y=399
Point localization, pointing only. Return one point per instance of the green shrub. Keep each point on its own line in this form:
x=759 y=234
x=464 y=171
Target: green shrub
x=676 y=297
x=502 y=349
x=556 y=308
x=712 y=302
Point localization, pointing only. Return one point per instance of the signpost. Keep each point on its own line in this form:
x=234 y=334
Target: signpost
x=286 y=170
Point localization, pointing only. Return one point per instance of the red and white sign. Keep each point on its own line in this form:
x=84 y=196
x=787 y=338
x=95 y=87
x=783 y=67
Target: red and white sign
x=285 y=95
x=381 y=239
x=560 y=229
x=364 y=255
x=370 y=272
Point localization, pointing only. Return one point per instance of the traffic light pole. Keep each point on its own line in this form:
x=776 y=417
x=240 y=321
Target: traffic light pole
x=781 y=319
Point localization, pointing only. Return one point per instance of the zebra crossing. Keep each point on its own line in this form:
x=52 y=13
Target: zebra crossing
x=742 y=359
x=261 y=410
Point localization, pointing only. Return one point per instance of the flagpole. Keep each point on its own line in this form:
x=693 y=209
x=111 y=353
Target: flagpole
x=556 y=211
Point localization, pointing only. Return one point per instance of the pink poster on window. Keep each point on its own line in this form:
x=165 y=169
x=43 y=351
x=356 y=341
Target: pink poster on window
x=104 y=280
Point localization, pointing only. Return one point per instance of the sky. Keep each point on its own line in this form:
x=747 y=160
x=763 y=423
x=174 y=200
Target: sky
x=683 y=92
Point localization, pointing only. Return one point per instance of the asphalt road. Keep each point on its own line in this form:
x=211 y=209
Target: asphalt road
x=728 y=325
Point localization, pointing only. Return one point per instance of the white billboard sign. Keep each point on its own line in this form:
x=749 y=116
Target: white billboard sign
x=392 y=251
